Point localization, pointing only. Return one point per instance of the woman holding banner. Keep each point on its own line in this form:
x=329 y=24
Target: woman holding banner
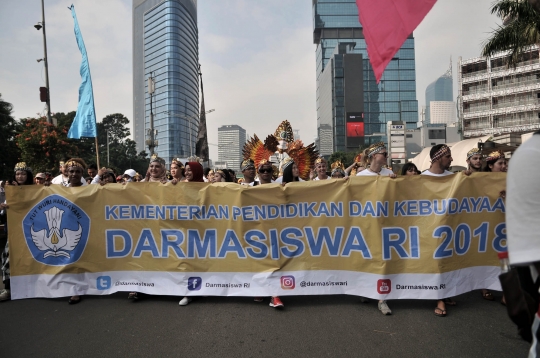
x=194 y=173
x=156 y=171
x=23 y=176
x=177 y=170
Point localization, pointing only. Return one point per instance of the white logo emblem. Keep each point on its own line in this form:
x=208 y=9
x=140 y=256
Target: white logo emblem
x=53 y=241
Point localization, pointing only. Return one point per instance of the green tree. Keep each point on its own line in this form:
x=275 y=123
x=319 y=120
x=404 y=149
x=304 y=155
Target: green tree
x=8 y=148
x=122 y=150
x=520 y=29
x=43 y=145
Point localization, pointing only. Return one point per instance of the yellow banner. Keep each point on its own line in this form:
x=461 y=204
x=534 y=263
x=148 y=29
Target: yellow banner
x=410 y=237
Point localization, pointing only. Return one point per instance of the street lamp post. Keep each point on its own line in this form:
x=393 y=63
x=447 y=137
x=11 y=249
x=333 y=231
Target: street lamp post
x=38 y=26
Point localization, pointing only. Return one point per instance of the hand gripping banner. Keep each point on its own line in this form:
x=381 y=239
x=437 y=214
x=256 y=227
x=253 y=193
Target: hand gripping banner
x=412 y=237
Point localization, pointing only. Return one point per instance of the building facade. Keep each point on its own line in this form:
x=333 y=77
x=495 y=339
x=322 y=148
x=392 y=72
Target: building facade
x=495 y=100
x=442 y=89
x=442 y=112
x=350 y=104
x=231 y=140
x=165 y=47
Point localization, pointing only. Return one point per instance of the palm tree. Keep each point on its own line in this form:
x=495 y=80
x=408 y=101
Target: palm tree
x=520 y=29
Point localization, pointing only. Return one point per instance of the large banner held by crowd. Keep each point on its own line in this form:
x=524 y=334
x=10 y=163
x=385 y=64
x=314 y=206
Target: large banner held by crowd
x=412 y=237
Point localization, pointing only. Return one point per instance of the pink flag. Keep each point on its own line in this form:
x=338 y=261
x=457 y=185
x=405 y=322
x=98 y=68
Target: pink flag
x=387 y=24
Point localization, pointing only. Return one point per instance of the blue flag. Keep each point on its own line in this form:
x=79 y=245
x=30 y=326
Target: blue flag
x=84 y=124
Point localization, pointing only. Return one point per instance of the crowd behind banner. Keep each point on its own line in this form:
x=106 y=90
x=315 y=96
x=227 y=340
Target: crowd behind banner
x=296 y=164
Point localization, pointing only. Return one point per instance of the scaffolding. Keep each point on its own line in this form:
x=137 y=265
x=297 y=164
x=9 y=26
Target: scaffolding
x=495 y=100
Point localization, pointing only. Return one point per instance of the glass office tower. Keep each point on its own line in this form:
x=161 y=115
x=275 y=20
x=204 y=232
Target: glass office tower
x=165 y=46
x=357 y=117
x=441 y=89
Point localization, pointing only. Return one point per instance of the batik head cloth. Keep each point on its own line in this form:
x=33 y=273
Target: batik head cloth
x=472 y=152
x=440 y=153
x=375 y=148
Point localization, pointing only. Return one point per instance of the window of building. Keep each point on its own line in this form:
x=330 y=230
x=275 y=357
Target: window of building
x=437 y=134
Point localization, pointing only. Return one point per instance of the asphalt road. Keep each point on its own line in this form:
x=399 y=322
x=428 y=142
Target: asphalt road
x=308 y=326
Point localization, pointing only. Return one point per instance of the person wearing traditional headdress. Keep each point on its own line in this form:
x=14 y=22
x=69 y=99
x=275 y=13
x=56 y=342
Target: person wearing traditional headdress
x=356 y=166
x=75 y=168
x=284 y=136
x=256 y=154
x=474 y=161
x=208 y=172
x=496 y=162
x=22 y=176
x=63 y=178
x=177 y=170
x=248 y=170
x=321 y=166
x=338 y=171
x=374 y=159
x=221 y=176
x=441 y=159
x=156 y=171
x=291 y=172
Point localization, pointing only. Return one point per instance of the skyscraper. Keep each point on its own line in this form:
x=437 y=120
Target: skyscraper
x=166 y=47
x=231 y=140
x=439 y=90
x=349 y=101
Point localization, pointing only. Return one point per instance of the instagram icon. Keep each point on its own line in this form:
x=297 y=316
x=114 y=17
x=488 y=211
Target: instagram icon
x=287 y=282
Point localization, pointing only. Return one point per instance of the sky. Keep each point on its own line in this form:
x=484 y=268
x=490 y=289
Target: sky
x=257 y=57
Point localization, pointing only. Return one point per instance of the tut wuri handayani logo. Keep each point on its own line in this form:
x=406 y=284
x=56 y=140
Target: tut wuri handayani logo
x=56 y=231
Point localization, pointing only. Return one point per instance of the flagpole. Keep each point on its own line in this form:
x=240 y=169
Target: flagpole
x=97 y=152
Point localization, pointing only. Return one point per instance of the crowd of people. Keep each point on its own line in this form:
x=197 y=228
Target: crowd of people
x=255 y=171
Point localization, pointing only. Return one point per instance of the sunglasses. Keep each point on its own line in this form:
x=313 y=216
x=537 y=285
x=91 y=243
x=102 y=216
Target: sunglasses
x=384 y=153
x=40 y=178
x=262 y=171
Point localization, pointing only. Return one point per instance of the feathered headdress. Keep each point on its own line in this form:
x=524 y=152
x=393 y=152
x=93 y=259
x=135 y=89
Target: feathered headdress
x=304 y=157
x=338 y=166
x=260 y=153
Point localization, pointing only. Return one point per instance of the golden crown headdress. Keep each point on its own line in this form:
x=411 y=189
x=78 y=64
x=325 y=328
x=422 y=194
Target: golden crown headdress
x=22 y=166
x=284 y=132
x=495 y=155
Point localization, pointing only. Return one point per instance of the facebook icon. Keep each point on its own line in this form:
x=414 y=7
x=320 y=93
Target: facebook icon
x=103 y=282
x=194 y=283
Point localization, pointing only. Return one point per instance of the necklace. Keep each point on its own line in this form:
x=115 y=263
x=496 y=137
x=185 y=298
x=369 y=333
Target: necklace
x=371 y=170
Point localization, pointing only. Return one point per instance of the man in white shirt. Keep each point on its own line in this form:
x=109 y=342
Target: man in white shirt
x=441 y=159
x=321 y=166
x=63 y=177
